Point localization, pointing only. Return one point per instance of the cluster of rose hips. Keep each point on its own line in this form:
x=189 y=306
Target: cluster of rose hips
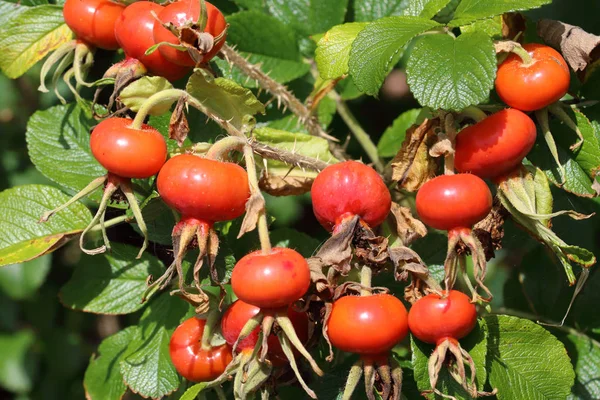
x=166 y=41
x=263 y=329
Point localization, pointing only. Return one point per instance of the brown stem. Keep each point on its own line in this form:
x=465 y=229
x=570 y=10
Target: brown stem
x=284 y=96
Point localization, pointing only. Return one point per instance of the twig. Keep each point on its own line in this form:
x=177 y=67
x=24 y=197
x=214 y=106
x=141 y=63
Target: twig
x=284 y=96
x=288 y=157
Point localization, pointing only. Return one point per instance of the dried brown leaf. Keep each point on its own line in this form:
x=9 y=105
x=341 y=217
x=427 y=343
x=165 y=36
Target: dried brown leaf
x=402 y=164
x=337 y=250
x=576 y=45
x=489 y=231
x=442 y=147
x=254 y=206
x=285 y=185
x=178 y=125
x=408 y=228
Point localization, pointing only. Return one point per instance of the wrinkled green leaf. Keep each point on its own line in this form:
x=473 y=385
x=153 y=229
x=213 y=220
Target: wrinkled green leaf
x=472 y=10
x=225 y=98
x=452 y=74
x=526 y=361
x=24 y=238
x=146 y=365
x=58 y=140
x=392 y=138
x=29 y=36
x=103 y=380
x=20 y=281
x=370 y=10
x=267 y=42
x=308 y=17
x=10 y=10
x=378 y=47
x=425 y=8
x=111 y=284
x=475 y=343
x=585 y=356
x=333 y=50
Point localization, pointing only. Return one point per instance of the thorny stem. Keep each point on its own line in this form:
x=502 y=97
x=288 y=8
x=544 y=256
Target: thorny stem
x=450 y=132
x=365 y=280
x=263 y=226
x=359 y=133
x=284 y=96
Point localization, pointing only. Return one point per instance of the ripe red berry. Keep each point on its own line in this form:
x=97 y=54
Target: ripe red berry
x=453 y=201
x=350 y=188
x=495 y=145
x=433 y=318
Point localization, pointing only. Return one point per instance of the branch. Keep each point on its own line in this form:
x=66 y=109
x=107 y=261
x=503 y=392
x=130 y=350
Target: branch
x=284 y=96
x=288 y=157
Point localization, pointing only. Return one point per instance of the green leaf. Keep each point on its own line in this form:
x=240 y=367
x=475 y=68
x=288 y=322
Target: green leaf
x=24 y=238
x=425 y=8
x=452 y=74
x=193 y=391
x=9 y=10
x=137 y=92
x=308 y=16
x=225 y=98
x=20 y=281
x=526 y=361
x=16 y=365
x=110 y=284
x=580 y=167
x=58 y=141
x=30 y=36
x=475 y=343
x=585 y=356
x=492 y=27
x=378 y=47
x=265 y=41
x=472 y=10
x=103 y=380
x=333 y=50
x=146 y=365
x=371 y=10
x=392 y=138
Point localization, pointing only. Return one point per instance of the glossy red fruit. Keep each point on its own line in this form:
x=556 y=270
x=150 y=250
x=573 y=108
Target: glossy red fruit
x=239 y=313
x=204 y=189
x=453 y=201
x=133 y=31
x=535 y=86
x=495 y=145
x=271 y=280
x=128 y=152
x=350 y=188
x=369 y=325
x=93 y=21
x=189 y=358
x=183 y=13
x=433 y=318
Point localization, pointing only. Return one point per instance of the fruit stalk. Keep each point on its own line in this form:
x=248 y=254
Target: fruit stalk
x=263 y=226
